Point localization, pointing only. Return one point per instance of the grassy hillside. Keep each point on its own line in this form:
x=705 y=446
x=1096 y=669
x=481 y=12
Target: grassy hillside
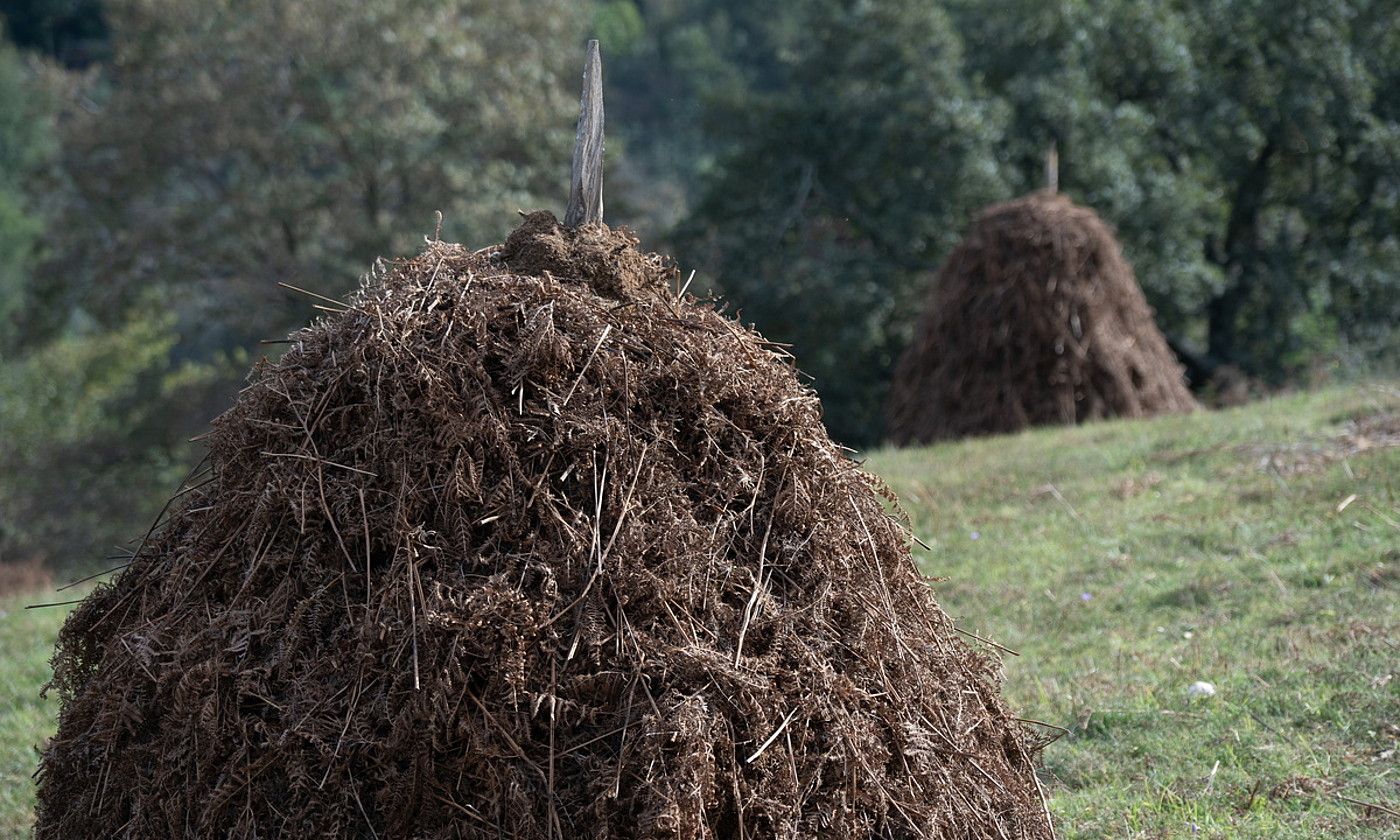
x=1256 y=549
x=26 y=640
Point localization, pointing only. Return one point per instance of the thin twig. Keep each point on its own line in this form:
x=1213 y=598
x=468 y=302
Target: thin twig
x=320 y=460
x=607 y=329
x=986 y=641
x=1365 y=804
x=1042 y=723
x=92 y=576
x=53 y=604
x=687 y=284
x=773 y=737
x=309 y=293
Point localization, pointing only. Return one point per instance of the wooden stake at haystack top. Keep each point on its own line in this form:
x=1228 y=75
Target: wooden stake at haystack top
x=586 y=185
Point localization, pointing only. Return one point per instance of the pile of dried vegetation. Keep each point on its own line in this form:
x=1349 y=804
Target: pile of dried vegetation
x=1035 y=319
x=522 y=544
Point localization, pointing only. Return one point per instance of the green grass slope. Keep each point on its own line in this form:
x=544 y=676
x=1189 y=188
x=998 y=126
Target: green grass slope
x=26 y=641
x=1257 y=549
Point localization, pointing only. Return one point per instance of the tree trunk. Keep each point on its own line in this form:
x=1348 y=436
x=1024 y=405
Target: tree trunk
x=1237 y=257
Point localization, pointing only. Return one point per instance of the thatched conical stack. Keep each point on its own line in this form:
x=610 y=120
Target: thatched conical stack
x=521 y=544
x=1035 y=319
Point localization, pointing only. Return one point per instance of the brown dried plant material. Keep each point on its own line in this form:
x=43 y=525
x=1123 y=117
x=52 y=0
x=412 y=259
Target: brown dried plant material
x=520 y=545
x=1034 y=319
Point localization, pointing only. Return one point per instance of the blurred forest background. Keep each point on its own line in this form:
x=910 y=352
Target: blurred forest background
x=164 y=163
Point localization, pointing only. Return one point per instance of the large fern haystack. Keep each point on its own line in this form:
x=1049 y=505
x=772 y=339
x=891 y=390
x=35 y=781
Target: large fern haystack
x=1034 y=319
x=520 y=544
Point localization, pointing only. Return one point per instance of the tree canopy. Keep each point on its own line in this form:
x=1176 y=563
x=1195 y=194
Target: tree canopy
x=844 y=188
x=232 y=143
x=222 y=148
x=164 y=163
x=26 y=142
x=1246 y=153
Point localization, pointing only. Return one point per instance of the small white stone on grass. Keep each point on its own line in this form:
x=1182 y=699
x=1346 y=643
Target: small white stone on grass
x=1200 y=689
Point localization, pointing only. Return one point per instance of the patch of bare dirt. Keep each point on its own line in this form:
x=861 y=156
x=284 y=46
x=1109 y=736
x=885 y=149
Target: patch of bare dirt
x=23 y=578
x=1359 y=436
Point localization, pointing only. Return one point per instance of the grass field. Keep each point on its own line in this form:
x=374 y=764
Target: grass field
x=1126 y=561
x=26 y=639
x=1257 y=549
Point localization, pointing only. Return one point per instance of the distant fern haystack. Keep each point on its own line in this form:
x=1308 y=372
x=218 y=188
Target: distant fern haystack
x=1035 y=319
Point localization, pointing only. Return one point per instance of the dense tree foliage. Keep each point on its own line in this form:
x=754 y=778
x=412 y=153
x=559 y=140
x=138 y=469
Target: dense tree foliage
x=239 y=143
x=25 y=141
x=845 y=187
x=71 y=31
x=227 y=146
x=90 y=443
x=814 y=160
x=1247 y=153
x=677 y=73
x=86 y=411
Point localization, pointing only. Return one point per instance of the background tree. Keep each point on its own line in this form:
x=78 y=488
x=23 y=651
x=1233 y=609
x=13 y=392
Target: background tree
x=25 y=144
x=1247 y=152
x=73 y=32
x=676 y=73
x=848 y=181
x=227 y=146
x=814 y=159
x=235 y=144
x=1108 y=83
x=1301 y=101
x=86 y=411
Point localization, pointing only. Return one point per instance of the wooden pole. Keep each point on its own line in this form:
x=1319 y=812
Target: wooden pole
x=586 y=185
x=1052 y=169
